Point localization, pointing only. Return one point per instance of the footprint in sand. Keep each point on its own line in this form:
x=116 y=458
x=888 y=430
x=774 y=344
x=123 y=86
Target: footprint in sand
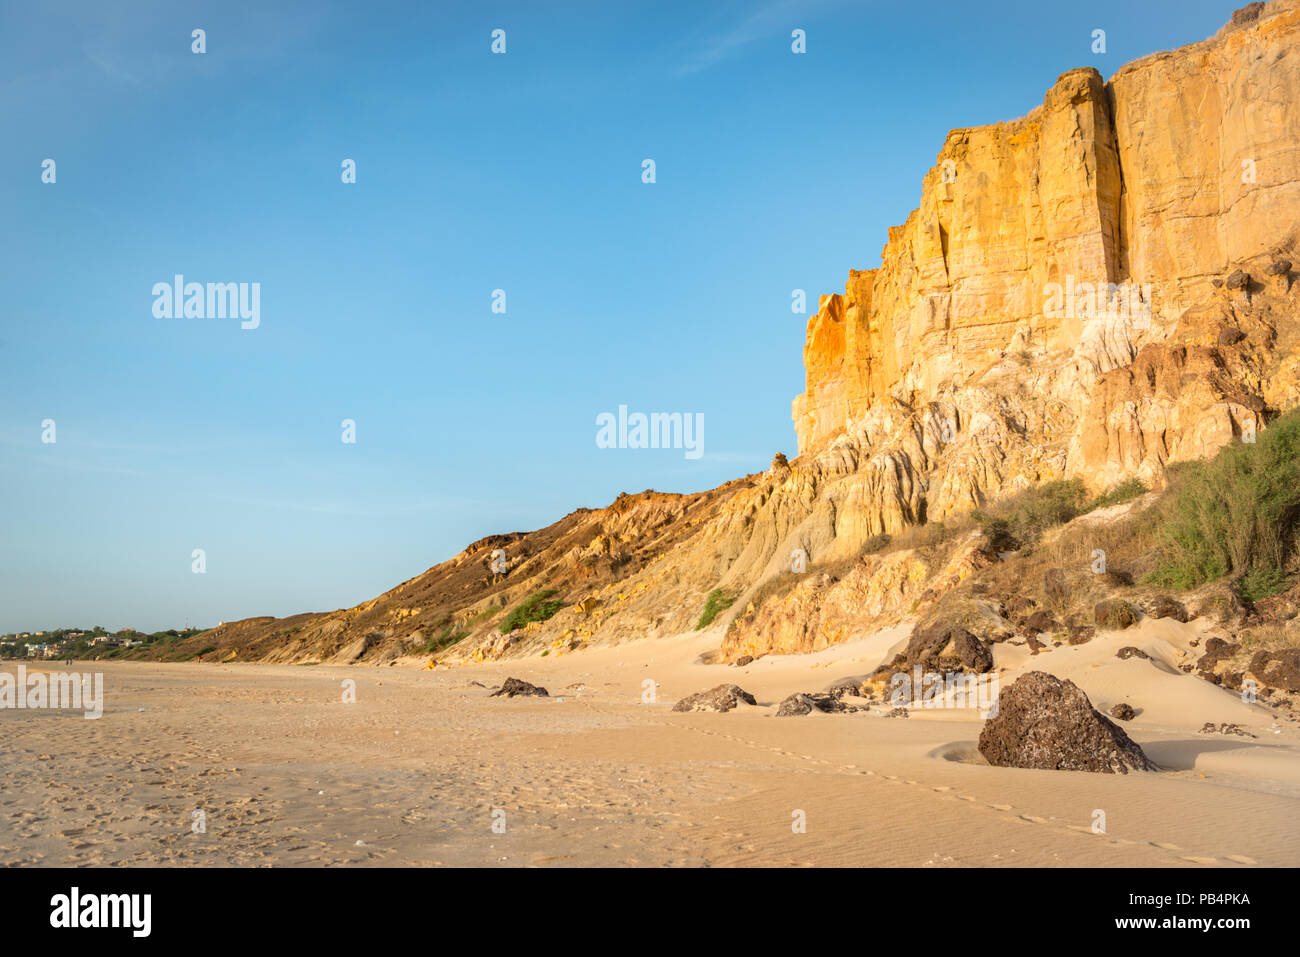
x=1165 y=846
x=1241 y=859
x=1201 y=860
x=1032 y=819
x=1000 y=807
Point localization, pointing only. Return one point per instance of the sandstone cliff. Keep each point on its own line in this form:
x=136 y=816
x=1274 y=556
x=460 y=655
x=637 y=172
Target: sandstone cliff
x=1096 y=290
x=1140 y=193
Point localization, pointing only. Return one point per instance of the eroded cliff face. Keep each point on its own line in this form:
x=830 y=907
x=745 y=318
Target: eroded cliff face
x=1074 y=240
x=1096 y=290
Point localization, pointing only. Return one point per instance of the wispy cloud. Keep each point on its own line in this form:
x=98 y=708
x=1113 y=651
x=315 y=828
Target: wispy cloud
x=765 y=22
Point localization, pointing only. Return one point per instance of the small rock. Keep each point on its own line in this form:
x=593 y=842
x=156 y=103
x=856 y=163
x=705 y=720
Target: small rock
x=1237 y=279
x=722 y=698
x=1211 y=728
x=1123 y=712
x=744 y=660
x=1128 y=651
x=514 y=686
x=1081 y=635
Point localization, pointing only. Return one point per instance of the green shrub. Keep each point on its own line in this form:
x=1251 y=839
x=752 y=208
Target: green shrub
x=1236 y=514
x=1261 y=583
x=536 y=607
x=1022 y=518
x=714 y=605
x=1123 y=492
x=445 y=638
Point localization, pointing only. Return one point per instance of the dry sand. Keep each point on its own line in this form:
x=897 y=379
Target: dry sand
x=410 y=774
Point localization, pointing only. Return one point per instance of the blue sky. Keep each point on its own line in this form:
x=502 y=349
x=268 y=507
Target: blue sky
x=475 y=172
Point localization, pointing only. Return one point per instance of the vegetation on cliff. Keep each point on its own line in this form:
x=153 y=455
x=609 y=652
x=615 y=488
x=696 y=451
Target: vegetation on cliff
x=1235 y=514
x=538 y=606
x=714 y=605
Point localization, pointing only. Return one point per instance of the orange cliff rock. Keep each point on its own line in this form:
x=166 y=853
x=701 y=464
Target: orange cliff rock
x=1181 y=167
x=971 y=364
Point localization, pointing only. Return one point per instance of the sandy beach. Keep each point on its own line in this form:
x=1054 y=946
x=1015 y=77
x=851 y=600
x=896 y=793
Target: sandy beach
x=424 y=768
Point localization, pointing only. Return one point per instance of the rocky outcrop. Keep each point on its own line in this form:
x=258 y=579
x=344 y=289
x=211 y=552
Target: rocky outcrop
x=1046 y=723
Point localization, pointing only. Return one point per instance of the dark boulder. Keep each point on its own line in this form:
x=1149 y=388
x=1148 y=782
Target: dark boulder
x=1216 y=649
x=1277 y=669
x=1039 y=622
x=722 y=698
x=1046 y=723
x=514 y=686
x=795 y=705
x=973 y=654
x=1081 y=634
x=1162 y=606
x=943 y=648
x=1114 y=614
x=830 y=703
x=1211 y=728
x=1123 y=712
